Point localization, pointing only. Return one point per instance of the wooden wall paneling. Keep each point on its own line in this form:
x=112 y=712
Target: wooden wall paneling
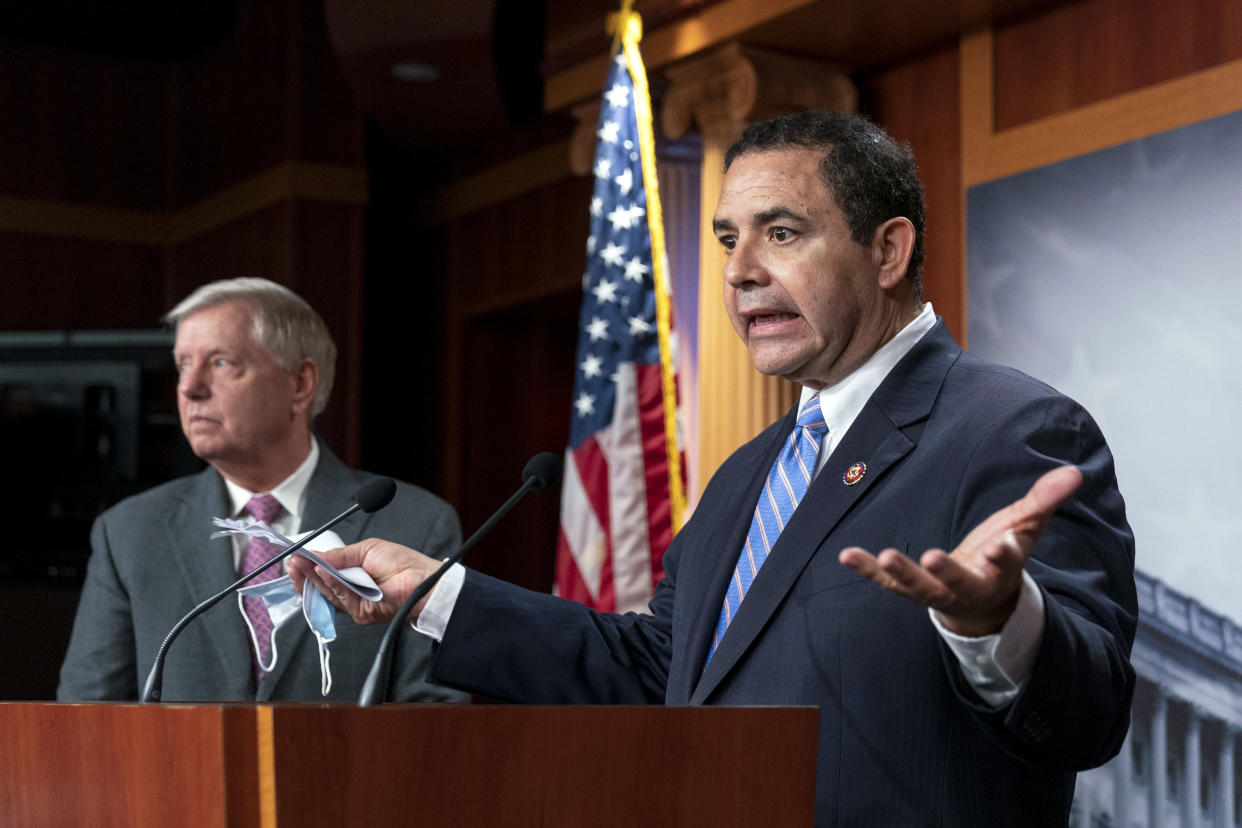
x=918 y=102
x=283 y=183
x=62 y=219
x=514 y=277
x=85 y=129
x=541 y=167
x=524 y=248
x=259 y=244
x=461 y=245
x=49 y=283
x=518 y=373
x=234 y=112
x=327 y=254
x=990 y=153
x=37 y=623
x=1088 y=52
x=326 y=123
x=407 y=360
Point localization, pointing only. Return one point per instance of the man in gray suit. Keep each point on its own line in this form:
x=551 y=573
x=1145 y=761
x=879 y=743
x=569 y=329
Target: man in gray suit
x=255 y=364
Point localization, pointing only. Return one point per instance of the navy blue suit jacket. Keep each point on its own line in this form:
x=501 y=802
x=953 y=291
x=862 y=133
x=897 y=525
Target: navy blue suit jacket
x=903 y=741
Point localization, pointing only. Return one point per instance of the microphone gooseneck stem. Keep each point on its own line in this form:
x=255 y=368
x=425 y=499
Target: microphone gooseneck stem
x=153 y=688
x=376 y=684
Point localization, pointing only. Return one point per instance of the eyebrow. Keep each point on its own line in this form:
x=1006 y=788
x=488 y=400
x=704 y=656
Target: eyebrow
x=214 y=352
x=760 y=219
x=775 y=214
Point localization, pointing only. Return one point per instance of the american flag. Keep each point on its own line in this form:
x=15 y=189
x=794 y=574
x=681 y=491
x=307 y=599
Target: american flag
x=623 y=482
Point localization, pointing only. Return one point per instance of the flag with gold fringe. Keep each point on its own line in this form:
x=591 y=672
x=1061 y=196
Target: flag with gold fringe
x=624 y=492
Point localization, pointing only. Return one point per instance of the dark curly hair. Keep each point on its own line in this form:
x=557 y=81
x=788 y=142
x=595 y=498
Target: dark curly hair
x=870 y=175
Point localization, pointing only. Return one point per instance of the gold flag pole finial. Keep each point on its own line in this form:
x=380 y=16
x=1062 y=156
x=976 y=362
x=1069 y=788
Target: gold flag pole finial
x=624 y=25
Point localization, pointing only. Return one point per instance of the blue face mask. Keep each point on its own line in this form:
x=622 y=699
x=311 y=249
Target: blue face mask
x=282 y=602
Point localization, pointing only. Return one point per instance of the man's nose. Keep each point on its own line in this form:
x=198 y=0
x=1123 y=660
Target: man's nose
x=193 y=383
x=743 y=266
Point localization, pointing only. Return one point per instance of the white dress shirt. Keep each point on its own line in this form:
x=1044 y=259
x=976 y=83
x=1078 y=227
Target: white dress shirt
x=291 y=494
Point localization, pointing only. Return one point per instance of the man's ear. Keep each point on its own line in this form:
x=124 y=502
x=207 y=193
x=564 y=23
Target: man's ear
x=891 y=245
x=306 y=380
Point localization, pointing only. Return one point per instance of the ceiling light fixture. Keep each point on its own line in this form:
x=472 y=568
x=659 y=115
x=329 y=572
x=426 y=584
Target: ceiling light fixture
x=411 y=72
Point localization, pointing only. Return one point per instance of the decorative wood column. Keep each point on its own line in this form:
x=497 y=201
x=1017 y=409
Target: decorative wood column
x=719 y=93
x=582 y=142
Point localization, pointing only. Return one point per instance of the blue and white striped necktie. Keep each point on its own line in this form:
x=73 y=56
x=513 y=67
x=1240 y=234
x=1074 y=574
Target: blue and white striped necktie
x=788 y=481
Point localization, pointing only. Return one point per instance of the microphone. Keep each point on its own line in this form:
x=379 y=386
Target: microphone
x=372 y=496
x=541 y=471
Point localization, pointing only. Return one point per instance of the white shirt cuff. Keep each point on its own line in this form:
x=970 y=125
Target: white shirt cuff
x=434 y=618
x=997 y=666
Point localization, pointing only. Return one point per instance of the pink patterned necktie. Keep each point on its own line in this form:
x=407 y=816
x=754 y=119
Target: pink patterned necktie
x=265 y=508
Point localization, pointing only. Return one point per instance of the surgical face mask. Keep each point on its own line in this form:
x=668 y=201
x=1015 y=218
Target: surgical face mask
x=283 y=602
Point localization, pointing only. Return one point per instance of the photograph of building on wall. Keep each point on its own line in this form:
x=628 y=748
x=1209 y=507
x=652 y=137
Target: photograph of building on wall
x=1116 y=277
x=1179 y=767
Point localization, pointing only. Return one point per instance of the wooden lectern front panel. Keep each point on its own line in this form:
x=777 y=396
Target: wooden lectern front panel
x=127 y=765
x=482 y=765
x=493 y=765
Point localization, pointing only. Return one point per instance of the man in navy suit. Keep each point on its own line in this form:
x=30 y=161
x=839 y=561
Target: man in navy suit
x=960 y=688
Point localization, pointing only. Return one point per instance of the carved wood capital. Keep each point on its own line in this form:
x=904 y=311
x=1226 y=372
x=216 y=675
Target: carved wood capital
x=582 y=142
x=722 y=91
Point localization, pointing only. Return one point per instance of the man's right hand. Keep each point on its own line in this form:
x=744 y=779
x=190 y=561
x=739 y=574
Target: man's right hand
x=397 y=570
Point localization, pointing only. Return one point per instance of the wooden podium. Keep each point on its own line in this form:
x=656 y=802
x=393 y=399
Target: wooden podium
x=307 y=765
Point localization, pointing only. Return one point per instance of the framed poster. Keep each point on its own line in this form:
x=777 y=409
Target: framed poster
x=1116 y=277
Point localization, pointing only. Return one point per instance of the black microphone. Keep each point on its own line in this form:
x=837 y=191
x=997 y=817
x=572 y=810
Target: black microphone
x=372 y=496
x=541 y=471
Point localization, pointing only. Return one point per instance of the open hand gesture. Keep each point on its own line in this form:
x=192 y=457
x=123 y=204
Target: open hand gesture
x=974 y=588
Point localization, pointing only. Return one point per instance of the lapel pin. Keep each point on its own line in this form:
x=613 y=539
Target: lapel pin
x=854 y=473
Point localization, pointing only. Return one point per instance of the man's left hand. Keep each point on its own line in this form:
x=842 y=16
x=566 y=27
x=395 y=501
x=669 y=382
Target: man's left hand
x=974 y=588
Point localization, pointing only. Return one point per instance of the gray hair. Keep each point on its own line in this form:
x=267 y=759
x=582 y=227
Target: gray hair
x=284 y=324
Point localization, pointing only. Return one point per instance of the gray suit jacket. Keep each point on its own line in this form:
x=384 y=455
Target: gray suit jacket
x=152 y=562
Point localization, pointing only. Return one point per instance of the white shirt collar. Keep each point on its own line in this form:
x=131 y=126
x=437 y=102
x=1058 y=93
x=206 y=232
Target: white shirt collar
x=291 y=493
x=842 y=402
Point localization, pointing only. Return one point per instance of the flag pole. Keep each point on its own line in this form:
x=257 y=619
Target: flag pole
x=627 y=27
